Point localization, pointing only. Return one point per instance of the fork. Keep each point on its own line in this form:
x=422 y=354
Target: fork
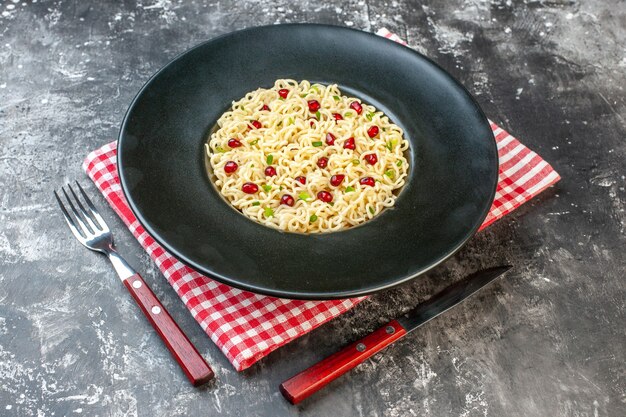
x=93 y=233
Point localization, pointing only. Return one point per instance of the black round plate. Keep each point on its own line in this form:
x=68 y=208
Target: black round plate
x=450 y=187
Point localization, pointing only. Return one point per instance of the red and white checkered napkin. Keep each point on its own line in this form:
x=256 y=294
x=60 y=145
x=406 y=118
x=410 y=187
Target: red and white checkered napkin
x=248 y=326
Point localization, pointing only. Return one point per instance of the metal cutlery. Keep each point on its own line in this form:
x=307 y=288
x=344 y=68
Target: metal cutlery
x=311 y=380
x=88 y=226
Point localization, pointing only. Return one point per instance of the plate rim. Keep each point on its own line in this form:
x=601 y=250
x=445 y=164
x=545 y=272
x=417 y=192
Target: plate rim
x=334 y=295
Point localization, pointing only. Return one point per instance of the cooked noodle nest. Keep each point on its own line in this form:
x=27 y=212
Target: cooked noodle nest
x=291 y=138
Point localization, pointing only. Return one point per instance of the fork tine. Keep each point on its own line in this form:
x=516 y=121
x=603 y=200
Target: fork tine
x=93 y=209
x=82 y=224
x=68 y=219
x=82 y=209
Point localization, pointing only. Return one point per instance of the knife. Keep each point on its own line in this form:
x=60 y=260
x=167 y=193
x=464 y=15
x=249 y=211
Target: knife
x=311 y=380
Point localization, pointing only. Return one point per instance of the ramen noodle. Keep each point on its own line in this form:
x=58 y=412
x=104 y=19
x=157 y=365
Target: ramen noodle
x=303 y=157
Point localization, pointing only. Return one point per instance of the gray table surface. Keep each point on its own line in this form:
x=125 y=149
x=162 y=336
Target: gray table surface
x=547 y=340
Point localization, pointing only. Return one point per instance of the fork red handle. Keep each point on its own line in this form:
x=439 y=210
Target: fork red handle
x=185 y=353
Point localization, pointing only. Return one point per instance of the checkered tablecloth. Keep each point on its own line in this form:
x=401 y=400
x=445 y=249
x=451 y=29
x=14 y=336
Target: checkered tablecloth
x=248 y=326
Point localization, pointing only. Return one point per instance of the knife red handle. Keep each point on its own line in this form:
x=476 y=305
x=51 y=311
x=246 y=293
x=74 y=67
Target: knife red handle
x=311 y=380
x=195 y=367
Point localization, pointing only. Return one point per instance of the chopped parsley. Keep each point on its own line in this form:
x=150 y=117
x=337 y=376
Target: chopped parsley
x=316 y=144
x=268 y=212
x=256 y=203
x=269 y=159
x=267 y=188
x=337 y=98
x=312 y=219
x=349 y=189
x=304 y=196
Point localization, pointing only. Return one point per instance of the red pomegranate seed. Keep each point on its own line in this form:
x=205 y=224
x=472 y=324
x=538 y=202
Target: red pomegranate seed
x=330 y=139
x=256 y=124
x=283 y=92
x=349 y=144
x=372 y=131
x=367 y=181
x=249 y=188
x=335 y=180
x=371 y=158
x=322 y=162
x=311 y=123
x=314 y=105
x=301 y=179
x=287 y=200
x=356 y=106
x=270 y=171
x=265 y=107
x=337 y=116
x=233 y=143
x=325 y=196
x=230 y=167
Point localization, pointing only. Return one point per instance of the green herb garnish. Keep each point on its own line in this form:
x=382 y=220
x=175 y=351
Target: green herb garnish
x=349 y=189
x=390 y=173
x=399 y=163
x=281 y=99
x=316 y=144
x=369 y=116
x=337 y=98
x=256 y=203
x=269 y=159
x=314 y=87
x=290 y=121
x=268 y=212
x=280 y=188
x=251 y=165
x=304 y=95
x=318 y=114
x=347 y=114
x=312 y=219
x=254 y=142
x=372 y=210
x=267 y=188
x=304 y=196
x=219 y=149
x=355 y=162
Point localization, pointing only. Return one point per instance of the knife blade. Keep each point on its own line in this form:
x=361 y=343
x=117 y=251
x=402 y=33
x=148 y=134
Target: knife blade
x=311 y=380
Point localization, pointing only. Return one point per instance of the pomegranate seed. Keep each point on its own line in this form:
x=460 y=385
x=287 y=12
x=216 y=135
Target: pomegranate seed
x=337 y=116
x=325 y=196
x=356 y=106
x=301 y=179
x=367 y=181
x=256 y=124
x=372 y=131
x=335 y=180
x=330 y=139
x=349 y=144
x=283 y=92
x=371 y=158
x=265 y=107
x=230 y=167
x=287 y=200
x=233 y=143
x=311 y=123
x=314 y=105
x=322 y=162
x=270 y=171
x=249 y=188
